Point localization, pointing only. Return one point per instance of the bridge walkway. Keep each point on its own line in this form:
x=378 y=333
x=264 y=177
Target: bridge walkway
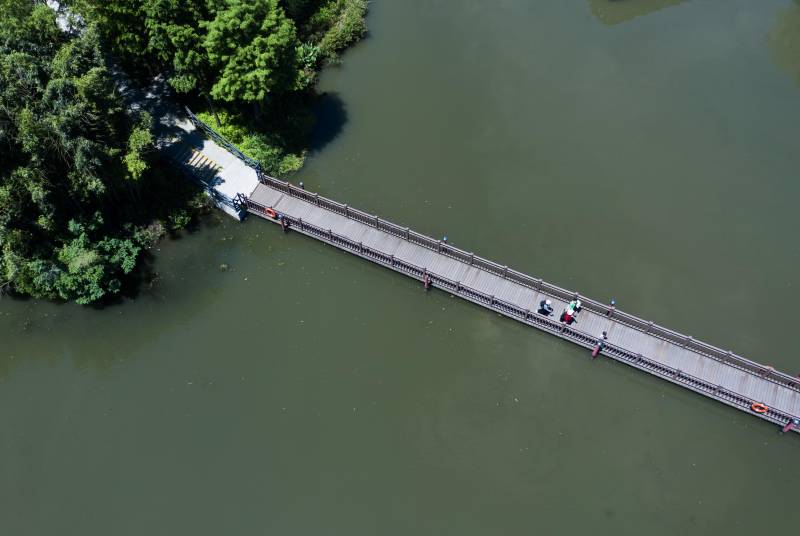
x=698 y=366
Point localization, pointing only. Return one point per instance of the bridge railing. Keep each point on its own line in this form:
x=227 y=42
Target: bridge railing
x=515 y=311
x=539 y=285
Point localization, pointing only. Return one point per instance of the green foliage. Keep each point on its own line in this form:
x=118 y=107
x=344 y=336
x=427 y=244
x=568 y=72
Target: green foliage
x=121 y=23
x=85 y=268
x=234 y=51
x=251 y=44
x=140 y=147
x=267 y=148
x=174 y=39
x=149 y=235
x=178 y=219
x=307 y=56
x=79 y=194
x=69 y=158
x=189 y=61
x=90 y=269
x=29 y=27
x=338 y=24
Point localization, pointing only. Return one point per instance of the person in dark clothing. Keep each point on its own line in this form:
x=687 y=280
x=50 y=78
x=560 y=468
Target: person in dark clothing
x=545 y=307
x=601 y=343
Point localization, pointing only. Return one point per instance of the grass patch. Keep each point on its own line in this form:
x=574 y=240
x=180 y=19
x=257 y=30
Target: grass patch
x=278 y=140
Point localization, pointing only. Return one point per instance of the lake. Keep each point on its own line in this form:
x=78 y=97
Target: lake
x=642 y=150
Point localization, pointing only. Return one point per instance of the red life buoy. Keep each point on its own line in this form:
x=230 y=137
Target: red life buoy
x=758 y=407
x=271 y=213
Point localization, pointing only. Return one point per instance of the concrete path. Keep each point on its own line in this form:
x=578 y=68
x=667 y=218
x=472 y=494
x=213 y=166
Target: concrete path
x=222 y=174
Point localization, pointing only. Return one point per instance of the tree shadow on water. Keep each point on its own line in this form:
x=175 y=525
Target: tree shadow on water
x=612 y=12
x=330 y=116
x=784 y=40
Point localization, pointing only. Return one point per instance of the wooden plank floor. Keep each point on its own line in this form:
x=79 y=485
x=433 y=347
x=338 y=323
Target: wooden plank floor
x=744 y=383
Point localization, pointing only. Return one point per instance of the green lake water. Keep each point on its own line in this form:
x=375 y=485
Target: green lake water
x=643 y=150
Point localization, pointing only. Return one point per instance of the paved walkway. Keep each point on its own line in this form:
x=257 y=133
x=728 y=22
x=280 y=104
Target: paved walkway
x=221 y=173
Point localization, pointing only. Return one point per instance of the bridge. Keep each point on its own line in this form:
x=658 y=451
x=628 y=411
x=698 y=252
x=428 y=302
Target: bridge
x=705 y=369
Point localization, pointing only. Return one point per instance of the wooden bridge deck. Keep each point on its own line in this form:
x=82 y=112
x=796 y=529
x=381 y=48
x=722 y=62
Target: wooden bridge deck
x=700 y=367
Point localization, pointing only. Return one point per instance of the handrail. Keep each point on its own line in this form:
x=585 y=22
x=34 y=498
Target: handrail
x=525 y=315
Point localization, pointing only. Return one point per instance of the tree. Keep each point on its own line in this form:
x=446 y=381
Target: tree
x=88 y=270
x=140 y=147
x=121 y=24
x=70 y=158
x=29 y=27
x=77 y=194
x=175 y=40
x=252 y=44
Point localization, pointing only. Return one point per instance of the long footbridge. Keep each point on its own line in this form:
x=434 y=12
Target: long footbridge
x=703 y=368
x=722 y=375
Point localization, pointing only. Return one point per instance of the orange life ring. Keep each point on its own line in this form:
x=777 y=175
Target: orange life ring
x=271 y=213
x=758 y=407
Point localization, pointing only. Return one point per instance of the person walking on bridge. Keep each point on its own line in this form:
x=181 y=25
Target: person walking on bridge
x=601 y=343
x=571 y=312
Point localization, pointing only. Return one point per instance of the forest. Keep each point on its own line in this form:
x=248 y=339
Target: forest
x=83 y=195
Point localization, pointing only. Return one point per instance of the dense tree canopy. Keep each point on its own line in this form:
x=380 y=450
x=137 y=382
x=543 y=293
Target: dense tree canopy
x=70 y=157
x=76 y=173
x=253 y=46
x=232 y=50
